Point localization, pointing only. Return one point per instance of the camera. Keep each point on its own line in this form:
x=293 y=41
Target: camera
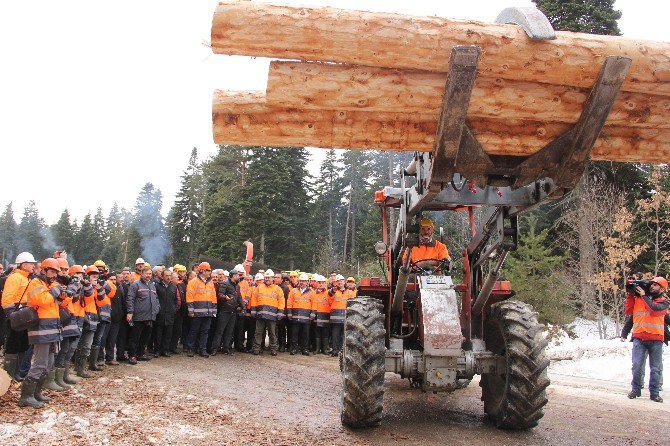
x=631 y=285
x=74 y=279
x=101 y=281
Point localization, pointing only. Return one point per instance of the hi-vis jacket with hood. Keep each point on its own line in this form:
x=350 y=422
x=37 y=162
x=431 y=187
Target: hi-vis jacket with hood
x=201 y=297
x=300 y=303
x=267 y=302
x=43 y=296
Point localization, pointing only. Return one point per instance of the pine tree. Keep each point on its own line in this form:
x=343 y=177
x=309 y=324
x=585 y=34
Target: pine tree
x=114 y=247
x=184 y=219
x=64 y=232
x=328 y=205
x=148 y=223
x=537 y=276
x=587 y=16
x=8 y=233
x=85 y=240
x=30 y=233
x=224 y=177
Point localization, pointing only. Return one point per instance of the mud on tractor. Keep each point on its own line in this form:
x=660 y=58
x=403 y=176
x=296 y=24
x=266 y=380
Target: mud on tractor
x=421 y=325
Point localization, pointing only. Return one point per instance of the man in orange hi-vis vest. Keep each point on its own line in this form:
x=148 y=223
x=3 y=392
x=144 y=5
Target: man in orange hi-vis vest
x=648 y=312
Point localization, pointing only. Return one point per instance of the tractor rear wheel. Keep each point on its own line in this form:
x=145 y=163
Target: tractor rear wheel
x=515 y=399
x=363 y=363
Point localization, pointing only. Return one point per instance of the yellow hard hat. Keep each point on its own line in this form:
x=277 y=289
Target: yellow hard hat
x=146 y=265
x=427 y=222
x=179 y=267
x=293 y=274
x=351 y=279
x=99 y=263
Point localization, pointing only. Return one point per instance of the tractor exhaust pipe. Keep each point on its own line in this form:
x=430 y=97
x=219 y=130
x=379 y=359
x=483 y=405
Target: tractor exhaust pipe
x=401 y=286
x=490 y=281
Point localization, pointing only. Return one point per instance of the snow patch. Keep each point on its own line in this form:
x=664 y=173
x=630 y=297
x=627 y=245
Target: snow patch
x=579 y=351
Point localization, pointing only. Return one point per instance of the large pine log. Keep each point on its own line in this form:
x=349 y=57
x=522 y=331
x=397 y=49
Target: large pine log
x=347 y=87
x=246 y=118
x=425 y=43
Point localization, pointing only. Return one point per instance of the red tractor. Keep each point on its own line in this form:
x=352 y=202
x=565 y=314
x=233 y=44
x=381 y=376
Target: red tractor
x=439 y=334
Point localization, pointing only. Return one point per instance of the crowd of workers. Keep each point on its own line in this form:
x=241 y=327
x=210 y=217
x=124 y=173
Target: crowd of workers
x=56 y=316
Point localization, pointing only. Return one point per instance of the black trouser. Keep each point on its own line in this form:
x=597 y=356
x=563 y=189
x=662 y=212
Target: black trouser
x=112 y=336
x=140 y=334
x=225 y=327
x=198 y=332
x=177 y=330
x=336 y=332
x=17 y=341
x=3 y=328
x=250 y=325
x=123 y=341
x=239 y=332
x=284 y=333
x=300 y=334
x=162 y=338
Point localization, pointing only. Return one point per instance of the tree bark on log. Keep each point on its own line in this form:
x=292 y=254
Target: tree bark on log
x=425 y=43
x=246 y=118
x=347 y=87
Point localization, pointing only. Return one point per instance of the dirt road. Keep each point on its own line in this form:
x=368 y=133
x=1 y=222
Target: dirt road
x=247 y=400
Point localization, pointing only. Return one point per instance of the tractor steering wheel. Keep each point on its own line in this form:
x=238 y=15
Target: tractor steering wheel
x=443 y=265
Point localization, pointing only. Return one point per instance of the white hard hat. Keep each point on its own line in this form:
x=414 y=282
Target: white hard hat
x=303 y=276
x=25 y=257
x=139 y=260
x=269 y=273
x=258 y=276
x=226 y=273
x=339 y=277
x=239 y=268
x=319 y=278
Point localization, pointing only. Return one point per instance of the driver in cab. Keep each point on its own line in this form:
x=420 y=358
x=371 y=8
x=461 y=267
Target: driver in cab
x=429 y=253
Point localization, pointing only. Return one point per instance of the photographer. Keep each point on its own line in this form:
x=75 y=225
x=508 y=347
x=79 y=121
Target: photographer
x=648 y=309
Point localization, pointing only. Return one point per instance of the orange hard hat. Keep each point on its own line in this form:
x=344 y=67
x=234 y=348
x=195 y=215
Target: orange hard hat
x=53 y=264
x=74 y=269
x=662 y=281
x=92 y=270
x=204 y=266
x=62 y=263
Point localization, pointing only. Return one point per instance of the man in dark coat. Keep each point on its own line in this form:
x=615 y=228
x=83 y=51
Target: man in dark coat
x=179 y=329
x=143 y=307
x=118 y=315
x=167 y=299
x=229 y=304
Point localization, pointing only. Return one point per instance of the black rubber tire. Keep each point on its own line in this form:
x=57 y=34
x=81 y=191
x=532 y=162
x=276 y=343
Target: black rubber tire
x=516 y=399
x=363 y=363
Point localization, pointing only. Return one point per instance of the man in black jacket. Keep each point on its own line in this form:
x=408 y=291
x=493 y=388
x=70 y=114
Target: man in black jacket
x=179 y=329
x=229 y=304
x=143 y=307
x=118 y=315
x=124 y=328
x=167 y=299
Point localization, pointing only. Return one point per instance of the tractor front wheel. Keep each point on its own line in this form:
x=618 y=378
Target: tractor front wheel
x=515 y=399
x=362 y=363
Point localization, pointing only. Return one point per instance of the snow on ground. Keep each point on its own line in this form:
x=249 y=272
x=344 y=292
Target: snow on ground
x=589 y=356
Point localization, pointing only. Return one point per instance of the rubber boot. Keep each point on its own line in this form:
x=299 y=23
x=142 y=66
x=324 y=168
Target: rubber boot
x=67 y=377
x=50 y=382
x=325 y=345
x=318 y=346
x=80 y=367
x=28 y=394
x=93 y=360
x=60 y=374
x=11 y=364
x=38 y=390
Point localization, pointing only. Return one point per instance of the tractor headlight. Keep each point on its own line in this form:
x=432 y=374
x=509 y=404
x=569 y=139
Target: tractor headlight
x=380 y=248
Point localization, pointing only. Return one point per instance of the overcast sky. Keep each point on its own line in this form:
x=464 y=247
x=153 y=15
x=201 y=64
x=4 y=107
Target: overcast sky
x=97 y=98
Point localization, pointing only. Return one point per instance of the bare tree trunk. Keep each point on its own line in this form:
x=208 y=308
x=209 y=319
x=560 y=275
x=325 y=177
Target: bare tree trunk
x=353 y=233
x=601 y=316
x=262 y=256
x=346 y=226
